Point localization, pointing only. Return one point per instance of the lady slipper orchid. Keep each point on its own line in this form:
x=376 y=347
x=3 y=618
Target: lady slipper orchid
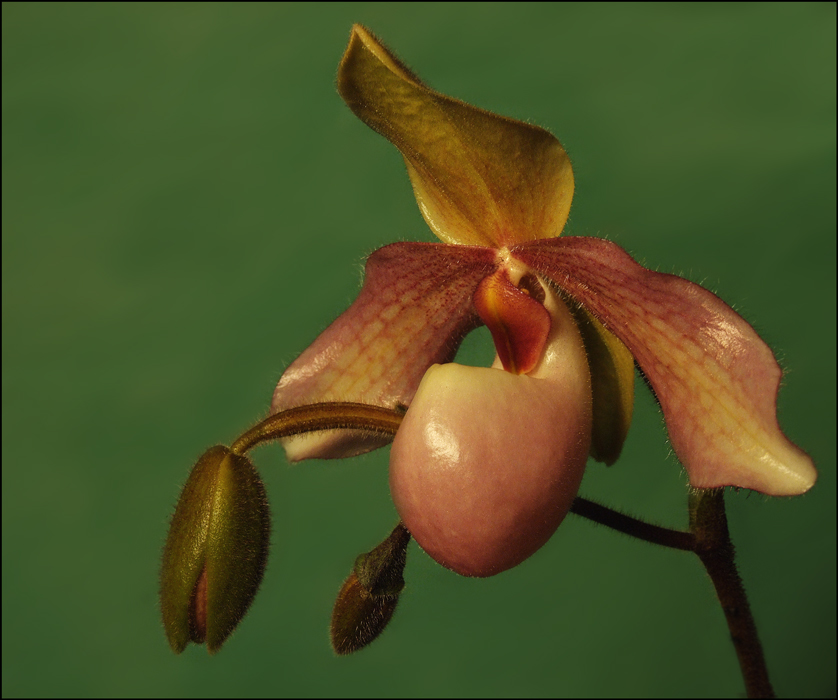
x=487 y=461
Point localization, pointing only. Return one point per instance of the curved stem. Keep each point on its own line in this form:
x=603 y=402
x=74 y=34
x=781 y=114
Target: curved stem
x=319 y=416
x=708 y=523
x=632 y=526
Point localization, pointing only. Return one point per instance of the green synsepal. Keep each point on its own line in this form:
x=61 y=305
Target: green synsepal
x=612 y=385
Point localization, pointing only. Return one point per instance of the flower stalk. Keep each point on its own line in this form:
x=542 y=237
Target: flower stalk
x=675 y=539
x=708 y=525
x=320 y=416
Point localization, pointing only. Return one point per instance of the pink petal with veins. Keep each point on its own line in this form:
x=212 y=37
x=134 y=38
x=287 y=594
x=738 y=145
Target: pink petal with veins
x=716 y=380
x=413 y=311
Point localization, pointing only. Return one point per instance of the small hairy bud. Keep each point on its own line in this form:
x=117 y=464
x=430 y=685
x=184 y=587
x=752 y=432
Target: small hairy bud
x=368 y=598
x=216 y=551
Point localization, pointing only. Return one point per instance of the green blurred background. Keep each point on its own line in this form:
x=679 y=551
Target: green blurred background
x=187 y=203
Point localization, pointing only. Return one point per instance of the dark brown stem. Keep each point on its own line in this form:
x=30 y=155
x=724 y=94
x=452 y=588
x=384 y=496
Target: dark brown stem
x=632 y=526
x=708 y=523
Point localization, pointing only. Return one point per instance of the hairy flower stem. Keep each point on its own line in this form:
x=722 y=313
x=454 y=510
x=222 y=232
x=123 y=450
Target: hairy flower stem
x=708 y=536
x=616 y=520
x=710 y=540
x=320 y=416
x=708 y=524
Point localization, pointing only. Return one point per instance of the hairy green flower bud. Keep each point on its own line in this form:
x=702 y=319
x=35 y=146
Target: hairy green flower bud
x=216 y=551
x=367 y=599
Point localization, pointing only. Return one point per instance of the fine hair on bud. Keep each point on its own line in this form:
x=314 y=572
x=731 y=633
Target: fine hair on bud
x=359 y=616
x=216 y=551
x=367 y=600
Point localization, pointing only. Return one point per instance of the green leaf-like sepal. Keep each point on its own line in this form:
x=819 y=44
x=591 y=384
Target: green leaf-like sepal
x=612 y=386
x=216 y=551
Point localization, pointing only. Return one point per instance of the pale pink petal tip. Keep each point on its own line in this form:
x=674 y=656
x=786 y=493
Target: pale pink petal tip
x=715 y=379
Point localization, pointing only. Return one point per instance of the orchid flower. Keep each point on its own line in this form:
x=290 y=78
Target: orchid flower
x=487 y=461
